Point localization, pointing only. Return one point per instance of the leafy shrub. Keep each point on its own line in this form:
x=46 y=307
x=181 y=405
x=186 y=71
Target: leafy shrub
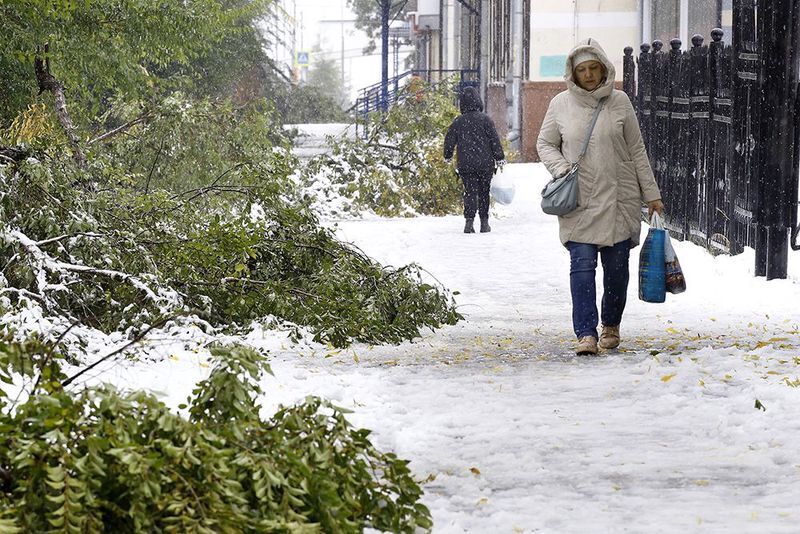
x=234 y=251
x=184 y=144
x=107 y=461
x=398 y=169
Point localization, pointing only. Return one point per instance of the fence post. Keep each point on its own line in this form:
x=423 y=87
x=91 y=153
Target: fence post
x=629 y=75
x=745 y=116
x=643 y=107
x=678 y=141
x=778 y=80
x=720 y=146
x=699 y=164
x=660 y=116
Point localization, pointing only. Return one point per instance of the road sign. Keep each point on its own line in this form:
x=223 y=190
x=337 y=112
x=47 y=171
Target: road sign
x=303 y=58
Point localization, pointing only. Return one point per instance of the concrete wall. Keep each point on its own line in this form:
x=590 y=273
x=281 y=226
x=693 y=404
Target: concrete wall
x=496 y=107
x=536 y=97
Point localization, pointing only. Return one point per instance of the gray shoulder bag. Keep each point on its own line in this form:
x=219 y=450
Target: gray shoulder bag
x=560 y=195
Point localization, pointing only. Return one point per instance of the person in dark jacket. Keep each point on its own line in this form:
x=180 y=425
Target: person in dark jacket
x=478 y=152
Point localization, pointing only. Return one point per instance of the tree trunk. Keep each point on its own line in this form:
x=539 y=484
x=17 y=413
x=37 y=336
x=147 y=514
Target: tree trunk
x=48 y=82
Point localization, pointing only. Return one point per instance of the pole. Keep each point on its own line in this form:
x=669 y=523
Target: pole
x=342 y=55
x=778 y=75
x=385 y=7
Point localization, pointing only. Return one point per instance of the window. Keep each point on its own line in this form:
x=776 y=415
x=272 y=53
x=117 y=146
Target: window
x=666 y=20
x=682 y=18
x=703 y=17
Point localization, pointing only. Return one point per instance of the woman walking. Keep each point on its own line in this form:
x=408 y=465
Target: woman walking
x=615 y=178
x=479 y=151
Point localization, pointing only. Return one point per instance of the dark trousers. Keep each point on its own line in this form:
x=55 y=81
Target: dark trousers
x=583 y=263
x=476 y=194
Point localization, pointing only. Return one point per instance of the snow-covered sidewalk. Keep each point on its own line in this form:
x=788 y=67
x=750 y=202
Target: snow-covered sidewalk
x=514 y=433
x=694 y=426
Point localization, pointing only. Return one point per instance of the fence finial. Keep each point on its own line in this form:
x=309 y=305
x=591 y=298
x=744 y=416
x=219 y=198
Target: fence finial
x=645 y=48
x=675 y=44
x=697 y=40
x=717 y=34
x=628 y=51
x=657 y=45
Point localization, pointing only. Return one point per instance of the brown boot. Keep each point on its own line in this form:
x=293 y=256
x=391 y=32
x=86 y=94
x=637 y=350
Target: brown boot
x=609 y=337
x=587 y=345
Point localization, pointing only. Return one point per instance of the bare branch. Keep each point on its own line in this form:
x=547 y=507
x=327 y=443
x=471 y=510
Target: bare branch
x=120 y=129
x=134 y=341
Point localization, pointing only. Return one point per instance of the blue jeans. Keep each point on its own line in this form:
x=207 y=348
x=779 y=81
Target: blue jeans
x=583 y=263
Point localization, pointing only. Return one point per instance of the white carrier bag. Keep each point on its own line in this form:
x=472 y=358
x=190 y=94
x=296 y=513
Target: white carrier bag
x=502 y=188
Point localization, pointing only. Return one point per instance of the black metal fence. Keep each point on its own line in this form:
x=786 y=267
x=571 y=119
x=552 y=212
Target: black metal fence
x=720 y=123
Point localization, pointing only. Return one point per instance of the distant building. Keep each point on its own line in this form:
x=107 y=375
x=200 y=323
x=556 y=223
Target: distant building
x=519 y=47
x=279 y=27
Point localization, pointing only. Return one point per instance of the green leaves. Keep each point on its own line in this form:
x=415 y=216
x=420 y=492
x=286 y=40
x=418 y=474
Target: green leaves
x=102 y=48
x=102 y=460
x=398 y=170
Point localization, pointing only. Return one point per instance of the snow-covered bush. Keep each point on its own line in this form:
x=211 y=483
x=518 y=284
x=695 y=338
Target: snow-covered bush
x=233 y=251
x=397 y=169
x=103 y=460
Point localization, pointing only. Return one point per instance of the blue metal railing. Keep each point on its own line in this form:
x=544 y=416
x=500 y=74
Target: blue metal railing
x=370 y=100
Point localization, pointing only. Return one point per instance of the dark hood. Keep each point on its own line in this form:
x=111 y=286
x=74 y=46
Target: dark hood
x=470 y=100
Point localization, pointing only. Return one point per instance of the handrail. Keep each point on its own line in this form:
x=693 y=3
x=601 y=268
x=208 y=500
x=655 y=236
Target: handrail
x=371 y=97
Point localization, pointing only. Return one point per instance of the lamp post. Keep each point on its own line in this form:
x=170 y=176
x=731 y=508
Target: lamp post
x=385 y=8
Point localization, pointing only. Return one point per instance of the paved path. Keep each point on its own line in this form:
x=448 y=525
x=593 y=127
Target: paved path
x=513 y=433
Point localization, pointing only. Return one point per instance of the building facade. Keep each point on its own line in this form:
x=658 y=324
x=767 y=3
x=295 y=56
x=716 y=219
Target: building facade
x=519 y=47
x=279 y=27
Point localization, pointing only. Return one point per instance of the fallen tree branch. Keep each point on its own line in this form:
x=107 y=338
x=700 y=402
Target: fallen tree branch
x=13 y=154
x=66 y=236
x=134 y=341
x=55 y=265
x=24 y=293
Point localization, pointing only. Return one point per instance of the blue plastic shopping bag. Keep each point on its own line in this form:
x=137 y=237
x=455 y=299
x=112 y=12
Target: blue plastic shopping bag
x=652 y=264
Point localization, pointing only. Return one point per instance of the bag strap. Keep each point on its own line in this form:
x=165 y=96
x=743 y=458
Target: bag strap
x=597 y=111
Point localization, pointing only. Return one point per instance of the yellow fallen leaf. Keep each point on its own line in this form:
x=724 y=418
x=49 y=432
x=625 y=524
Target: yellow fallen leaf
x=667 y=378
x=702 y=482
x=475 y=471
x=355 y=358
x=174 y=358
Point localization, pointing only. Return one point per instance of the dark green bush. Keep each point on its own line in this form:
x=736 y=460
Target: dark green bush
x=103 y=460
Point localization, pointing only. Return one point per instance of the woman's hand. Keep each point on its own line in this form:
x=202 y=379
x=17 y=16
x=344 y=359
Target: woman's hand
x=655 y=205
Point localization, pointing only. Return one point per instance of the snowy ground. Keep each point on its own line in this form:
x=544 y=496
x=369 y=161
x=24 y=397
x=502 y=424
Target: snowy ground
x=312 y=139
x=514 y=433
